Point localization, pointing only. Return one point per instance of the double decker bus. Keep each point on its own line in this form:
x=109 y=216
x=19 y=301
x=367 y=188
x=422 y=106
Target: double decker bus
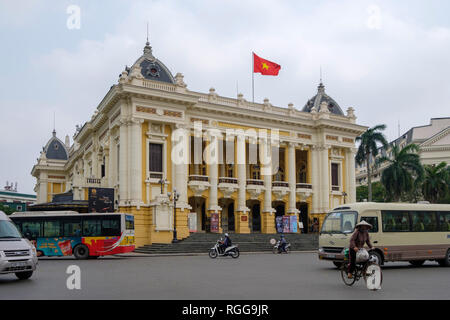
x=401 y=232
x=84 y=235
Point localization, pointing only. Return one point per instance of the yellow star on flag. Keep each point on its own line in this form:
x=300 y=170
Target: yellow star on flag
x=265 y=66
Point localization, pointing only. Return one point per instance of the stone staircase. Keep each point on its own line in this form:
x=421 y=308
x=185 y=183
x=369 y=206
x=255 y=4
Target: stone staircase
x=255 y=242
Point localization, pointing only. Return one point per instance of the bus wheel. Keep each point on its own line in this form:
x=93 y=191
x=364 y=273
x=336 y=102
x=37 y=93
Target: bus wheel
x=446 y=261
x=417 y=263
x=81 y=252
x=337 y=264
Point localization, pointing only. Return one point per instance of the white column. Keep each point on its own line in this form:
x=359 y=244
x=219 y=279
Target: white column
x=266 y=172
x=241 y=172
x=181 y=138
x=213 y=170
x=136 y=161
x=123 y=163
x=291 y=179
x=325 y=180
x=351 y=183
x=315 y=179
x=42 y=188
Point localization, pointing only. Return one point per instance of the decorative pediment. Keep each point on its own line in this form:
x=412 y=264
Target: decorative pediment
x=442 y=138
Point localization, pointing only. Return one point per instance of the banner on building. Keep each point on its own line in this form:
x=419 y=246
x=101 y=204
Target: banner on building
x=279 y=223
x=101 y=200
x=293 y=220
x=286 y=224
x=214 y=222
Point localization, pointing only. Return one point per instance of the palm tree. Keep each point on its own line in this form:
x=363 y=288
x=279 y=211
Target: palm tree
x=404 y=171
x=435 y=184
x=369 y=148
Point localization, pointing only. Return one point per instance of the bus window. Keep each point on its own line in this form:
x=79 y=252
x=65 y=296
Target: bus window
x=31 y=229
x=395 y=221
x=373 y=221
x=72 y=228
x=423 y=221
x=129 y=222
x=52 y=228
x=444 y=221
x=111 y=226
x=92 y=227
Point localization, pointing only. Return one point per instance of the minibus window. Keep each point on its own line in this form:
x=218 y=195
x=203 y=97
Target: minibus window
x=373 y=221
x=395 y=221
x=444 y=221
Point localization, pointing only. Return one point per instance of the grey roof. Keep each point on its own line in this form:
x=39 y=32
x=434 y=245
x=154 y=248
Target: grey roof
x=319 y=98
x=55 y=149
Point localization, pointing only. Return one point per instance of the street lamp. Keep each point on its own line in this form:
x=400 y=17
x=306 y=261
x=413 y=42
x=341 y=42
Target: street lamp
x=344 y=194
x=175 y=195
x=162 y=182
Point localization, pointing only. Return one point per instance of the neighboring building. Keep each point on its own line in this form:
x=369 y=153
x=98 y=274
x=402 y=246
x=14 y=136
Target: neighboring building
x=434 y=147
x=10 y=198
x=127 y=145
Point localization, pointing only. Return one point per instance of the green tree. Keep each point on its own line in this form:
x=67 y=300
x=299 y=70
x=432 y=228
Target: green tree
x=6 y=210
x=378 y=192
x=403 y=172
x=368 y=148
x=435 y=183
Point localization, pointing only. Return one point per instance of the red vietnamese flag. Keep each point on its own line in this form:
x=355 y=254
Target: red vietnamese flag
x=265 y=67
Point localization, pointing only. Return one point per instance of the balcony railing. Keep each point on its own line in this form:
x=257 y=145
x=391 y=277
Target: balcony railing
x=335 y=188
x=198 y=178
x=280 y=184
x=228 y=180
x=255 y=182
x=156 y=175
x=93 y=181
x=303 y=186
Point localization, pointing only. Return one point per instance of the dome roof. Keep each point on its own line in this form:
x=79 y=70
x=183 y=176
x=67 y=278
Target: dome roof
x=320 y=97
x=152 y=68
x=55 y=149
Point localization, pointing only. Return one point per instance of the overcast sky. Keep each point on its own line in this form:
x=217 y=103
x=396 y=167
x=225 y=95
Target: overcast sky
x=387 y=59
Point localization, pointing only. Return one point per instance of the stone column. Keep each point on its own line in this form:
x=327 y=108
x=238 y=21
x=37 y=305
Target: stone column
x=315 y=178
x=42 y=198
x=325 y=179
x=267 y=216
x=241 y=212
x=123 y=163
x=351 y=183
x=136 y=162
x=291 y=179
x=107 y=182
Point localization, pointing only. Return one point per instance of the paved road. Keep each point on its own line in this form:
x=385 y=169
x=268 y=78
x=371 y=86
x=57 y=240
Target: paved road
x=252 y=276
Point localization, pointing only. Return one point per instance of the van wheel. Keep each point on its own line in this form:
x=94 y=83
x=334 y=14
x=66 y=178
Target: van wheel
x=81 y=252
x=417 y=263
x=337 y=264
x=24 y=275
x=446 y=261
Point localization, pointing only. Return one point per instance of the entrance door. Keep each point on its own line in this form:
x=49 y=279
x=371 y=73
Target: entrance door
x=231 y=217
x=204 y=217
x=304 y=216
x=279 y=213
x=256 y=217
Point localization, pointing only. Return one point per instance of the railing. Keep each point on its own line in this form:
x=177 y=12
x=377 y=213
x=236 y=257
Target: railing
x=280 y=184
x=93 y=181
x=255 y=182
x=335 y=188
x=303 y=186
x=198 y=178
x=158 y=85
x=228 y=180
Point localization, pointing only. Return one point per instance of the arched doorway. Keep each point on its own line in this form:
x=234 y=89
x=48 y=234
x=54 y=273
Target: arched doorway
x=303 y=208
x=280 y=210
x=227 y=216
x=198 y=205
x=254 y=219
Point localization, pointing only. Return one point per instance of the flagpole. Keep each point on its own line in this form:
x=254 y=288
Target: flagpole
x=253 y=78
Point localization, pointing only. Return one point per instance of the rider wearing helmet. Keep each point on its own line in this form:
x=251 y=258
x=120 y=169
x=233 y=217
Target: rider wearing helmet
x=226 y=243
x=283 y=243
x=357 y=241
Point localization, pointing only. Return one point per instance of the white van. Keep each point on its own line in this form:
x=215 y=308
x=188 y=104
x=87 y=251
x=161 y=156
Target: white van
x=17 y=254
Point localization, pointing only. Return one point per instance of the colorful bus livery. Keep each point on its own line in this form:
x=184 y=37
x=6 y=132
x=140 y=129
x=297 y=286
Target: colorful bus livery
x=63 y=233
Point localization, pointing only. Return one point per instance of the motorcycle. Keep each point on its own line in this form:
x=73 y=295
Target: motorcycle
x=277 y=247
x=216 y=251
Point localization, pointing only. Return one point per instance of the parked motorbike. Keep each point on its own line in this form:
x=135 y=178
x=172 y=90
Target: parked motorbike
x=277 y=247
x=216 y=251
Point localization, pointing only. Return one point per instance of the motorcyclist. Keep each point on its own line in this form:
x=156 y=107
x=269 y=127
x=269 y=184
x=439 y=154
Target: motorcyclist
x=357 y=241
x=283 y=243
x=226 y=243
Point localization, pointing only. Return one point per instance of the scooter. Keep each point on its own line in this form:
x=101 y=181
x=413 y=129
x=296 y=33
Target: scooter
x=216 y=251
x=277 y=248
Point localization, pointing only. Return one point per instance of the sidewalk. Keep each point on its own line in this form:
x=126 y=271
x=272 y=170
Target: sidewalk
x=135 y=254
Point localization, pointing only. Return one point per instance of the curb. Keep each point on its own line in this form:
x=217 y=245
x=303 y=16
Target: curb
x=144 y=255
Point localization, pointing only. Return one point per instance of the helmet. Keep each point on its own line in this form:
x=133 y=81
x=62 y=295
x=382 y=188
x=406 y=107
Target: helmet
x=282 y=236
x=362 y=255
x=226 y=234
